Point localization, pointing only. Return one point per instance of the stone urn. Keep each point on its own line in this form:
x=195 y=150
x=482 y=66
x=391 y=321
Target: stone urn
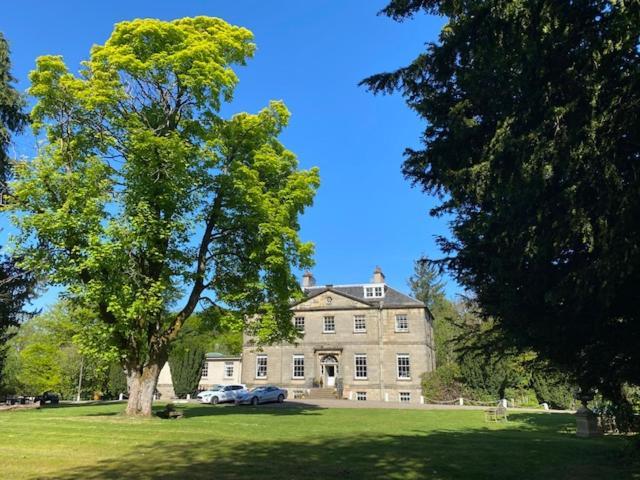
x=586 y=420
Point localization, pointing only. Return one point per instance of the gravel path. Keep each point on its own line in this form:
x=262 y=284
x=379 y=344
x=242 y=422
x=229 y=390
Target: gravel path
x=325 y=403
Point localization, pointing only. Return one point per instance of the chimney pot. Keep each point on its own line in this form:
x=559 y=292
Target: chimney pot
x=378 y=276
x=308 y=280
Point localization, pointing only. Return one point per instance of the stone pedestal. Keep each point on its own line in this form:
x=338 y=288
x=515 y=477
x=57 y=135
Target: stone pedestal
x=587 y=423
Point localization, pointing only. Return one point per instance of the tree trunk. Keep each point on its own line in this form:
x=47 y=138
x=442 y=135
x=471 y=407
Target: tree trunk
x=142 y=383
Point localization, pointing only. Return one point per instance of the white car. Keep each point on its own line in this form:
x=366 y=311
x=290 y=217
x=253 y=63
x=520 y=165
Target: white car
x=221 y=393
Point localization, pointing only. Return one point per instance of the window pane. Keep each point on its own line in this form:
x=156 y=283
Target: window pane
x=261 y=366
x=402 y=323
x=359 y=323
x=299 y=323
x=361 y=366
x=298 y=366
x=329 y=325
x=404 y=370
x=228 y=369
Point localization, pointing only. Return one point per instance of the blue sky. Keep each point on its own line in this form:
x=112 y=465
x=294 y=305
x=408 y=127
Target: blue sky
x=311 y=55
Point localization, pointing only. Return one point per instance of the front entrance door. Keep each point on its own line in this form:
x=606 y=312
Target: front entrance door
x=330 y=371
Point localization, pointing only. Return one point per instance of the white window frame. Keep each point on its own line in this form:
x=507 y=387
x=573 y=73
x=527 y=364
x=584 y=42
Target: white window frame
x=404 y=397
x=365 y=365
x=297 y=320
x=324 y=324
x=405 y=318
x=360 y=328
x=295 y=357
x=400 y=368
x=205 y=370
x=226 y=369
x=374 y=291
x=361 y=396
x=258 y=366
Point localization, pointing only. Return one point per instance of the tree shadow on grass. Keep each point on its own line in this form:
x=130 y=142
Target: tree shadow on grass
x=191 y=410
x=287 y=408
x=480 y=453
x=546 y=422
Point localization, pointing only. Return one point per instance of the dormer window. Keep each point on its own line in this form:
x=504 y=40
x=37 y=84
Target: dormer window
x=373 y=291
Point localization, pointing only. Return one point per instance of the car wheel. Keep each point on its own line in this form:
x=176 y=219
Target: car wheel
x=254 y=401
x=214 y=400
x=280 y=398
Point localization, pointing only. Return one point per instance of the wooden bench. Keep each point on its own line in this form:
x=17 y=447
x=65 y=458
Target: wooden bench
x=496 y=414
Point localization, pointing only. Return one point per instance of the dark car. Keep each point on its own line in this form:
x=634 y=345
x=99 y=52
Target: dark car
x=48 y=397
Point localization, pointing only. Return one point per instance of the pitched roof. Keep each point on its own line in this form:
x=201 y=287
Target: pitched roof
x=220 y=356
x=392 y=297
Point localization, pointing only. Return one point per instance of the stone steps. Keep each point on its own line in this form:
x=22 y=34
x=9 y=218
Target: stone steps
x=322 y=393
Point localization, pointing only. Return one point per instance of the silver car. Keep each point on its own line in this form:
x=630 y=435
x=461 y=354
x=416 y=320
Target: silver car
x=268 y=393
x=221 y=393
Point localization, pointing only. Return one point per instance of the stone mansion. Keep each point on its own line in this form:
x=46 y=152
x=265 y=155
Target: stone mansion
x=361 y=342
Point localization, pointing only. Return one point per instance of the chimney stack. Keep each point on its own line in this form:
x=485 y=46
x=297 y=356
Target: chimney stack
x=378 y=276
x=308 y=280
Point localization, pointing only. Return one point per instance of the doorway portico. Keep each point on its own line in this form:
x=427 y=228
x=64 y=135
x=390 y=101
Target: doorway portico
x=329 y=366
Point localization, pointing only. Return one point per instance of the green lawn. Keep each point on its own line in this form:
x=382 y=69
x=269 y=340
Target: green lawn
x=226 y=442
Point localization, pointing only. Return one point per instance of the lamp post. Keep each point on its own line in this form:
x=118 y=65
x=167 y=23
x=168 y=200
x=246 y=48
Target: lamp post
x=80 y=378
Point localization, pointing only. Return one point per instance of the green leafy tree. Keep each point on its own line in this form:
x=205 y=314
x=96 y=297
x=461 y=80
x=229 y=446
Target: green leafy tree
x=42 y=356
x=145 y=201
x=532 y=142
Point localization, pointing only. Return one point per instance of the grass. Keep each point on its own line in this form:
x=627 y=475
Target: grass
x=226 y=442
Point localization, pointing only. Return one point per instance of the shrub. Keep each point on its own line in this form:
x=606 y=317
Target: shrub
x=116 y=381
x=185 y=363
x=554 y=388
x=443 y=384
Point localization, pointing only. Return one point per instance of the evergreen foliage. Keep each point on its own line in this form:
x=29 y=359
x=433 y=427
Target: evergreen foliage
x=116 y=381
x=185 y=362
x=532 y=142
x=464 y=368
x=16 y=285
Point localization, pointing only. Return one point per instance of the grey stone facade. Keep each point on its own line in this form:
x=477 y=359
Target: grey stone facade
x=389 y=335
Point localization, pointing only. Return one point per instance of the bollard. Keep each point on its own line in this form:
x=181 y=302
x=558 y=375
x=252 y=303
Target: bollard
x=188 y=397
x=422 y=399
x=503 y=402
x=461 y=401
x=386 y=397
x=545 y=406
x=121 y=397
